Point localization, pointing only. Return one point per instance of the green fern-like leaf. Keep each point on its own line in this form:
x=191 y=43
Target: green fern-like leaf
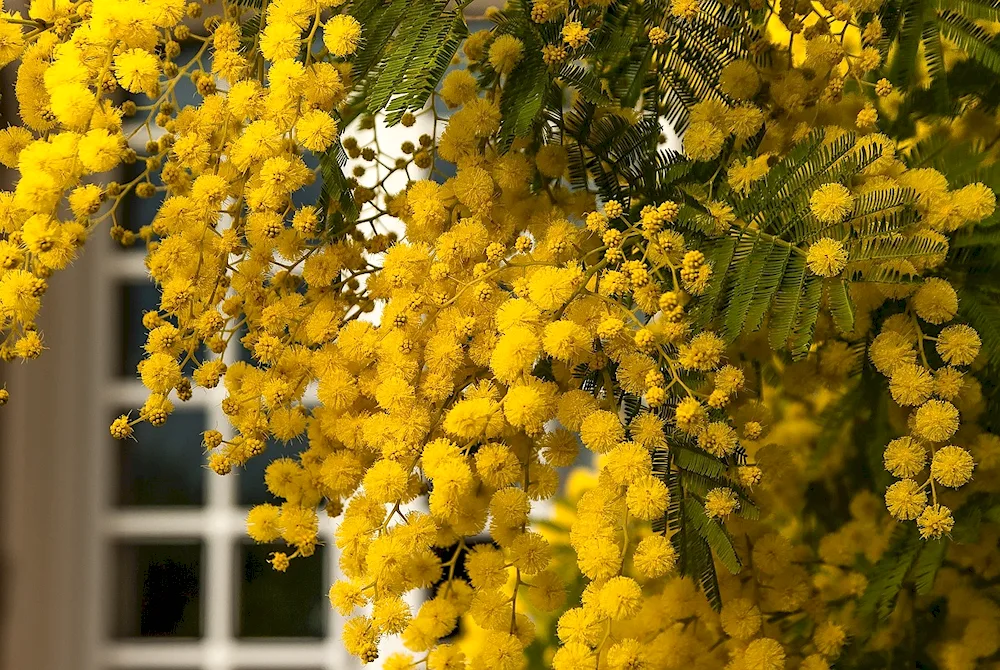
x=759 y=262
x=886 y=578
x=699 y=462
x=970 y=38
x=408 y=52
x=522 y=100
x=336 y=195
x=714 y=534
x=585 y=82
x=910 y=23
x=841 y=306
x=977 y=10
x=896 y=245
x=928 y=563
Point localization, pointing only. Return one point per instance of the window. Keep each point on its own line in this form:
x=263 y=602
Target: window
x=132 y=555
x=177 y=583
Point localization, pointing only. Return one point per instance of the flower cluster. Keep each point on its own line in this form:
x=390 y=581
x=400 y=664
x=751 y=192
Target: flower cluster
x=900 y=352
x=535 y=284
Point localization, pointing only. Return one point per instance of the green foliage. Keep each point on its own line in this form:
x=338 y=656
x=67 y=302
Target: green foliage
x=336 y=198
x=760 y=276
x=841 y=305
x=409 y=49
x=698 y=51
x=885 y=580
x=693 y=550
x=699 y=540
x=698 y=462
x=713 y=533
x=928 y=563
x=913 y=24
x=913 y=563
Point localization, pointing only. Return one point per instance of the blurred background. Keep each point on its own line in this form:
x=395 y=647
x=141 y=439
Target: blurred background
x=132 y=555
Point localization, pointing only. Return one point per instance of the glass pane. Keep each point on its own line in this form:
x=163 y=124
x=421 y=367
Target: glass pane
x=185 y=91
x=276 y=604
x=251 y=489
x=135 y=212
x=163 y=465
x=135 y=300
x=236 y=348
x=309 y=194
x=159 y=590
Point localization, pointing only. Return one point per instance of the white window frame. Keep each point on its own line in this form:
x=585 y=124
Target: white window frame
x=57 y=485
x=219 y=524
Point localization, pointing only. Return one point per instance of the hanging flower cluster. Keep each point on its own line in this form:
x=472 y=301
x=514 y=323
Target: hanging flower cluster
x=447 y=330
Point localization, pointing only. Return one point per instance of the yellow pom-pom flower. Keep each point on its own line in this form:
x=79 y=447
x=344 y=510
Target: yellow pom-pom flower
x=905 y=499
x=721 y=502
x=654 y=557
x=936 y=301
x=952 y=466
x=620 y=598
x=137 y=71
x=505 y=53
x=827 y=257
x=342 y=35
x=958 y=344
x=910 y=384
x=936 y=420
x=831 y=203
x=739 y=79
x=935 y=521
x=703 y=141
x=904 y=457
x=740 y=618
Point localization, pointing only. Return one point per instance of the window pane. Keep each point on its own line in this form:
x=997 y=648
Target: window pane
x=251 y=489
x=163 y=465
x=276 y=604
x=134 y=212
x=135 y=300
x=159 y=590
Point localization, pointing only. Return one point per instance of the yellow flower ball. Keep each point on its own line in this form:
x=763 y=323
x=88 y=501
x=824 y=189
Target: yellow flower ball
x=703 y=141
x=905 y=499
x=904 y=457
x=958 y=344
x=936 y=420
x=647 y=497
x=342 y=35
x=721 y=502
x=601 y=431
x=935 y=521
x=137 y=70
x=740 y=618
x=739 y=79
x=831 y=203
x=764 y=654
x=952 y=466
x=910 y=384
x=620 y=598
x=936 y=301
x=826 y=257
x=654 y=557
